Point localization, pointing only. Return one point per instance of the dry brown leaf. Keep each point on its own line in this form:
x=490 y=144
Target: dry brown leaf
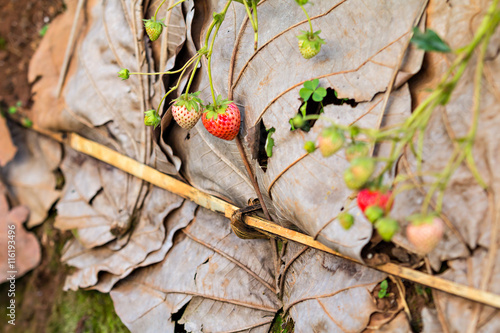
x=31 y=176
x=7 y=148
x=227 y=282
x=25 y=246
x=324 y=293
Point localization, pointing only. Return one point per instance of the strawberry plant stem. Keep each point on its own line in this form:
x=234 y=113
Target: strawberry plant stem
x=178 y=82
x=192 y=75
x=175 y=4
x=308 y=19
x=217 y=23
x=157 y=9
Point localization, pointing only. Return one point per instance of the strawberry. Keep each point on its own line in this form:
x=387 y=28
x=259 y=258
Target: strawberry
x=386 y=228
x=367 y=198
x=346 y=220
x=309 y=146
x=124 y=74
x=425 y=232
x=310 y=43
x=186 y=110
x=153 y=28
x=359 y=172
x=358 y=149
x=330 y=141
x=373 y=213
x=152 y=118
x=222 y=119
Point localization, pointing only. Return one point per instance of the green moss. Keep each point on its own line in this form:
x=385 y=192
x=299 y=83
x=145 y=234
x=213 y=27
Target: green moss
x=90 y=311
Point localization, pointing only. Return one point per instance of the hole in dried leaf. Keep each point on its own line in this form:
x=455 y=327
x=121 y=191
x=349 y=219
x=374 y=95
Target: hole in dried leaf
x=315 y=108
x=179 y=328
x=262 y=155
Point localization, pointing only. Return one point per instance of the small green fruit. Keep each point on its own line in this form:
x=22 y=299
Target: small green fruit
x=310 y=146
x=346 y=220
x=387 y=228
x=152 y=118
x=373 y=213
x=297 y=121
x=310 y=43
x=124 y=74
x=153 y=28
x=359 y=172
x=359 y=149
x=330 y=141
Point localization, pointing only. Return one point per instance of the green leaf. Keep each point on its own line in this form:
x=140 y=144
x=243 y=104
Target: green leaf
x=319 y=94
x=270 y=142
x=303 y=109
x=384 y=285
x=305 y=93
x=43 y=31
x=382 y=293
x=429 y=41
x=311 y=85
x=12 y=110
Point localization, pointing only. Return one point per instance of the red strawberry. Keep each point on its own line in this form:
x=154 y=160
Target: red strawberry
x=310 y=43
x=425 y=232
x=186 y=110
x=367 y=198
x=223 y=119
x=153 y=28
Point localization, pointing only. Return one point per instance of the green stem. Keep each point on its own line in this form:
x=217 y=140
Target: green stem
x=308 y=19
x=177 y=85
x=210 y=50
x=256 y=27
x=192 y=75
x=157 y=9
x=175 y=4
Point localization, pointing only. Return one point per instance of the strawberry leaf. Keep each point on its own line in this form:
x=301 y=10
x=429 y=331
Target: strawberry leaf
x=429 y=41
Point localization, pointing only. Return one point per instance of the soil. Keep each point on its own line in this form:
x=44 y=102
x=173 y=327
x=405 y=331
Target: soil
x=41 y=305
x=21 y=22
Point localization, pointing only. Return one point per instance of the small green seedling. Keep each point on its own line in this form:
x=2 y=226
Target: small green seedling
x=270 y=142
x=383 y=289
x=43 y=31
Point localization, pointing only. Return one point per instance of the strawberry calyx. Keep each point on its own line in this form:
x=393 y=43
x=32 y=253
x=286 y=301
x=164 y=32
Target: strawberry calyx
x=190 y=101
x=311 y=39
x=421 y=219
x=152 y=118
x=213 y=111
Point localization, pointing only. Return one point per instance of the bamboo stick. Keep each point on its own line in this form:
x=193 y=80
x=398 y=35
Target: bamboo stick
x=215 y=204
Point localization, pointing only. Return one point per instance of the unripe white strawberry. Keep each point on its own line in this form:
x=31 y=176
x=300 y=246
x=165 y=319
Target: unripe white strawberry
x=425 y=233
x=187 y=110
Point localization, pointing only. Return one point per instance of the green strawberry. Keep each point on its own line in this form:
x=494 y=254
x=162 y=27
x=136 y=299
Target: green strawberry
x=310 y=43
x=346 y=220
x=386 y=228
x=309 y=146
x=330 y=141
x=153 y=28
x=359 y=172
x=373 y=213
x=358 y=149
x=152 y=118
x=124 y=74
